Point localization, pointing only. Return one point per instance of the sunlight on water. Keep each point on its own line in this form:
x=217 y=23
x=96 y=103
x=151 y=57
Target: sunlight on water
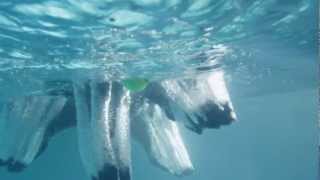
x=157 y=39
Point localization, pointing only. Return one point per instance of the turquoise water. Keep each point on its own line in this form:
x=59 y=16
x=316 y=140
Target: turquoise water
x=272 y=141
x=267 y=50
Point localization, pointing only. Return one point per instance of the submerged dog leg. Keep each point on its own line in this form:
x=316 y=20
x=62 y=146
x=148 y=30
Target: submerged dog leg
x=24 y=123
x=103 y=129
x=160 y=137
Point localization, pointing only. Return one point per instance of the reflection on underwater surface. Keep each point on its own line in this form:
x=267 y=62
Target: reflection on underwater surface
x=71 y=48
x=256 y=39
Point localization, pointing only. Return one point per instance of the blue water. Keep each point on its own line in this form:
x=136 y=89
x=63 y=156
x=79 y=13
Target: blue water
x=274 y=139
x=267 y=49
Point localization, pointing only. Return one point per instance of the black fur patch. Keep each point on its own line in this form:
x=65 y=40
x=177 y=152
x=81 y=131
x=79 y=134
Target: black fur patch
x=109 y=172
x=216 y=116
x=158 y=95
x=2 y=162
x=66 y=119
x=125 y=174
x=15 y=166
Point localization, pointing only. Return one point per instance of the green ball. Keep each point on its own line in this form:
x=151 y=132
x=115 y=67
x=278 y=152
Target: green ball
x=135 y=84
